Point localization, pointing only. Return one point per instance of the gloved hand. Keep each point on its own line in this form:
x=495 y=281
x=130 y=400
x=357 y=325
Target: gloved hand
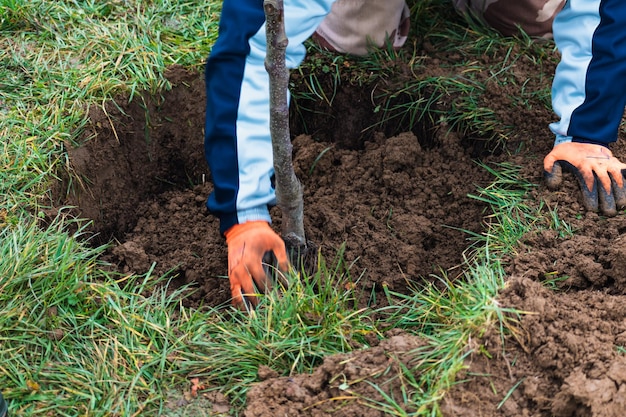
x=247 y=244
x=600 y=174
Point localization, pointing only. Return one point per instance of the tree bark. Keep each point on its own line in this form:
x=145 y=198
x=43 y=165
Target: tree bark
x=289 y=196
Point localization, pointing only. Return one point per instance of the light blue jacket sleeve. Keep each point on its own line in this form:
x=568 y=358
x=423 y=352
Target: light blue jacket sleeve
x=589 y=87
x=238 y=145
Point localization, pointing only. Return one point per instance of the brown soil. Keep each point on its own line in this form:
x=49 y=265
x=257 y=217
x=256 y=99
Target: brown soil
x=399 y=201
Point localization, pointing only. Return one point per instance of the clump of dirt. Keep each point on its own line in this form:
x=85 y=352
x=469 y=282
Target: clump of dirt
x=346 y=384
x=399 y=202
x=564 y=361
x=567 y=357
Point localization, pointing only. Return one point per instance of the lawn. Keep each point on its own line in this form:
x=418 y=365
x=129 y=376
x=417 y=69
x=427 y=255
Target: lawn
x=449 y=280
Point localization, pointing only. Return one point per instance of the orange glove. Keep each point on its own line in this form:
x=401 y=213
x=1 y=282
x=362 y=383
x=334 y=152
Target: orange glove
x=593 y=165
x=247 y=244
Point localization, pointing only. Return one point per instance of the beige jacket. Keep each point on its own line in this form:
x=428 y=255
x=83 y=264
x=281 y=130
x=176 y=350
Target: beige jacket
x=354 y=26
x=506 y=16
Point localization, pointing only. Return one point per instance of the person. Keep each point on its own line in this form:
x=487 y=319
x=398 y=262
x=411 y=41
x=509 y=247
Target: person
x=533 y=17
x=589 y=95
x=237 y=136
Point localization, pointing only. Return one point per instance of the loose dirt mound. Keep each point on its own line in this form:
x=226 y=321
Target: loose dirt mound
x=568 y=357
x=400 y=209
x=347 y=385
x=565 y=361
x=398 y=200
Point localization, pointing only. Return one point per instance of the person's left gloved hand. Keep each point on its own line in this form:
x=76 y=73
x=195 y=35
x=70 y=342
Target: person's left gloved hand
x=248 y=243
x=600 y=174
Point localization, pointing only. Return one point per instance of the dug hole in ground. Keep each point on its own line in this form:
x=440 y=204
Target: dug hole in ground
x=397 y=197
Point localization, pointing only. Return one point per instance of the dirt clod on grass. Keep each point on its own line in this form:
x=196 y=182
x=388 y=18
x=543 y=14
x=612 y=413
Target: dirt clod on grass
x=342 y=385
x=399 y=202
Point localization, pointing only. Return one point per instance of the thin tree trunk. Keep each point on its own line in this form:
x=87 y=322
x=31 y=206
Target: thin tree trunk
x=288 y=188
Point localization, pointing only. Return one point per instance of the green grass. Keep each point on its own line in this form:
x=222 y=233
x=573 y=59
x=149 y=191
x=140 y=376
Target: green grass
x=77 y=339
x=475 y=60
x=291 y=332
x=451 y=312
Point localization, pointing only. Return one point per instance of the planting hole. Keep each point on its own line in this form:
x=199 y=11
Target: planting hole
x=401 y=207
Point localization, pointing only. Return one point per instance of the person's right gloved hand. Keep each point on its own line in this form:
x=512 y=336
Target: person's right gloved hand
x=599 y=173
x=248 y=243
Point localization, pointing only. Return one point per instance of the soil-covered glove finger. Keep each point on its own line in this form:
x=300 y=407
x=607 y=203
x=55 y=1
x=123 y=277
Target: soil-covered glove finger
x=620 y=191
x=597 y=170
x=607 y=201
x=554 y=178
x=247 y=244
x=280 y=263
x=276 y=270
